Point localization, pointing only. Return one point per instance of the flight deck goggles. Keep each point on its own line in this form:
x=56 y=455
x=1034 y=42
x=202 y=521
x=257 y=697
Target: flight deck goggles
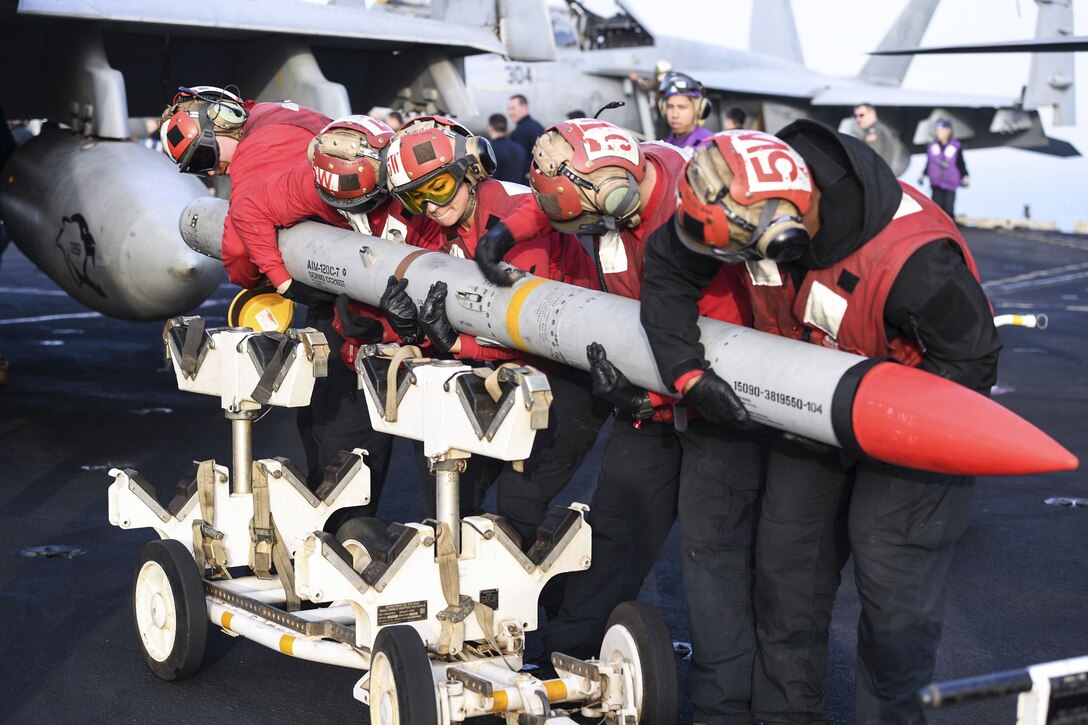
x=202 y=155
x=680 y=84
x=438 y=190
x=192 y=147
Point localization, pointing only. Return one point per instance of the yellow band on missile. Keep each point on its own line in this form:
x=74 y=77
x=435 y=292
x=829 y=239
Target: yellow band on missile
x=225 y=620
x=287 y=644
x=513 y=312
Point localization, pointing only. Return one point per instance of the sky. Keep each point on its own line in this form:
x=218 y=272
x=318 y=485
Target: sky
x=835 y=36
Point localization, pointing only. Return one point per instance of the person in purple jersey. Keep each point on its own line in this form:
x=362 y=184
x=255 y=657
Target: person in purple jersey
x=683 y=104
x=944 y=167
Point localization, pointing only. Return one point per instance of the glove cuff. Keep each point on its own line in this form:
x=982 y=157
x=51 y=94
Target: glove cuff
x=645 y=408
x=415 y=338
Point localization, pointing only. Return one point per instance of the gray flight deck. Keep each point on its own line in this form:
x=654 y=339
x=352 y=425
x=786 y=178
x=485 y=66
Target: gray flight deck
x=88 y=392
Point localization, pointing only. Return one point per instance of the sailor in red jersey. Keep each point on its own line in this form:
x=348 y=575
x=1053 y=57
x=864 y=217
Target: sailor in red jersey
x=591 y=177
x=836 y=252
x=347 y=170
x=438 y=168
x=210 y=131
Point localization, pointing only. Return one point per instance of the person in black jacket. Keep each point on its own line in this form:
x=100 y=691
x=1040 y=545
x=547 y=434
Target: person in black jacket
x=510 y=157
x=842 y=235
x=527 y=129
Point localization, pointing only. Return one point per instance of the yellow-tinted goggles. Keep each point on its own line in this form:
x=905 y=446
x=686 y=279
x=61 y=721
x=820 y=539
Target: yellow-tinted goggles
x=439 y=191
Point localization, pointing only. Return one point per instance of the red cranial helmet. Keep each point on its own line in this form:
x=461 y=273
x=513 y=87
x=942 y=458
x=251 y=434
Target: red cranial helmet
x=191 y=121
x=585 y=175
x=742 y=196
x=348 y=162
x=189 y=140
x=427 y=147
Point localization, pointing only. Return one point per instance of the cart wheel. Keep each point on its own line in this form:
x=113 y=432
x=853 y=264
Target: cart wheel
x=638 y=635
x=169 y=608
x=402 y=690
x=359 y=535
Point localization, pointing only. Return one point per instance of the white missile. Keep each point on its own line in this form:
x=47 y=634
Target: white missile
x=882 y=410
x=99 y=217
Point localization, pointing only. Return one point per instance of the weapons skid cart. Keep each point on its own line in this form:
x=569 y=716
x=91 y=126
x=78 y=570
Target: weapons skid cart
x=436 y=611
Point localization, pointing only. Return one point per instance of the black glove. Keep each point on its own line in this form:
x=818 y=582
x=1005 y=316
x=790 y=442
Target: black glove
x=362 y=328
x=716 y=401
x=433 y=320
x=304 y=294
x=399 y=309
x=612 y=385
x=490 y=250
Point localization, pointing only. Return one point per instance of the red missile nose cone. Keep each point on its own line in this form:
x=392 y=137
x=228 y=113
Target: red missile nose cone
x=911 y=418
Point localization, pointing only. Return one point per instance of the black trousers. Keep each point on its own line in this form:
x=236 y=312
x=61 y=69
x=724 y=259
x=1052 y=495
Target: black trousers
x=901 y=526
x=710 y=476
x=337 y=419
x=574 y=420
x=946 y=199
x=631 y=512
x=721 y=475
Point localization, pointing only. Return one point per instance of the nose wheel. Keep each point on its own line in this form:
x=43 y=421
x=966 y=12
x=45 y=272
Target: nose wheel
x=169 y=609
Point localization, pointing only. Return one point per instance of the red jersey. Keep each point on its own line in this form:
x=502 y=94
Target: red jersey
x=274 y=140
x=619 y=255
x=842 y=306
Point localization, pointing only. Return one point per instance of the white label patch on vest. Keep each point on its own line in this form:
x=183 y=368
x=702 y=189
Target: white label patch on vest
x=456 y=251
x=513 y=189
x=358 y=222
x=764 y=273
x=825 y=309
x=395 y=230
x=290 y=105
x=612 y=253
x=907 y=207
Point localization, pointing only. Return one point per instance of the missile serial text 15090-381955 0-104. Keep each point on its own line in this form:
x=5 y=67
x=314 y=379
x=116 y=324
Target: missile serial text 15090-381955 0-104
x=873 y=408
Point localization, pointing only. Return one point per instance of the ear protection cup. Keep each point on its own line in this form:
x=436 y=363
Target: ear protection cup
x=619 y=197
x=703 y=108
x=481 y=158
x=226 y=115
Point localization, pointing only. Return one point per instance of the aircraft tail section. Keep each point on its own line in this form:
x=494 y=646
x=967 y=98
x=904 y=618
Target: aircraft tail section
x=519 y=24
x=1050 y=82
x=905 y=32
x=774 y=30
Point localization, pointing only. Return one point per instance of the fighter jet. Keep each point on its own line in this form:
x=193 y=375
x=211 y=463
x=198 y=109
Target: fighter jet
x=597 y=54
x=100 y=214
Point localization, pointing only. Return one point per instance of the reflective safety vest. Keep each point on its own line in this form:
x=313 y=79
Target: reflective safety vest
x=842 y=306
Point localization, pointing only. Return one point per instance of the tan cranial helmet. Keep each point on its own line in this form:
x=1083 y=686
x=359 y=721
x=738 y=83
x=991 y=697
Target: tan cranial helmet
x=585 y=175
x=742 y=197
x=348 y=163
